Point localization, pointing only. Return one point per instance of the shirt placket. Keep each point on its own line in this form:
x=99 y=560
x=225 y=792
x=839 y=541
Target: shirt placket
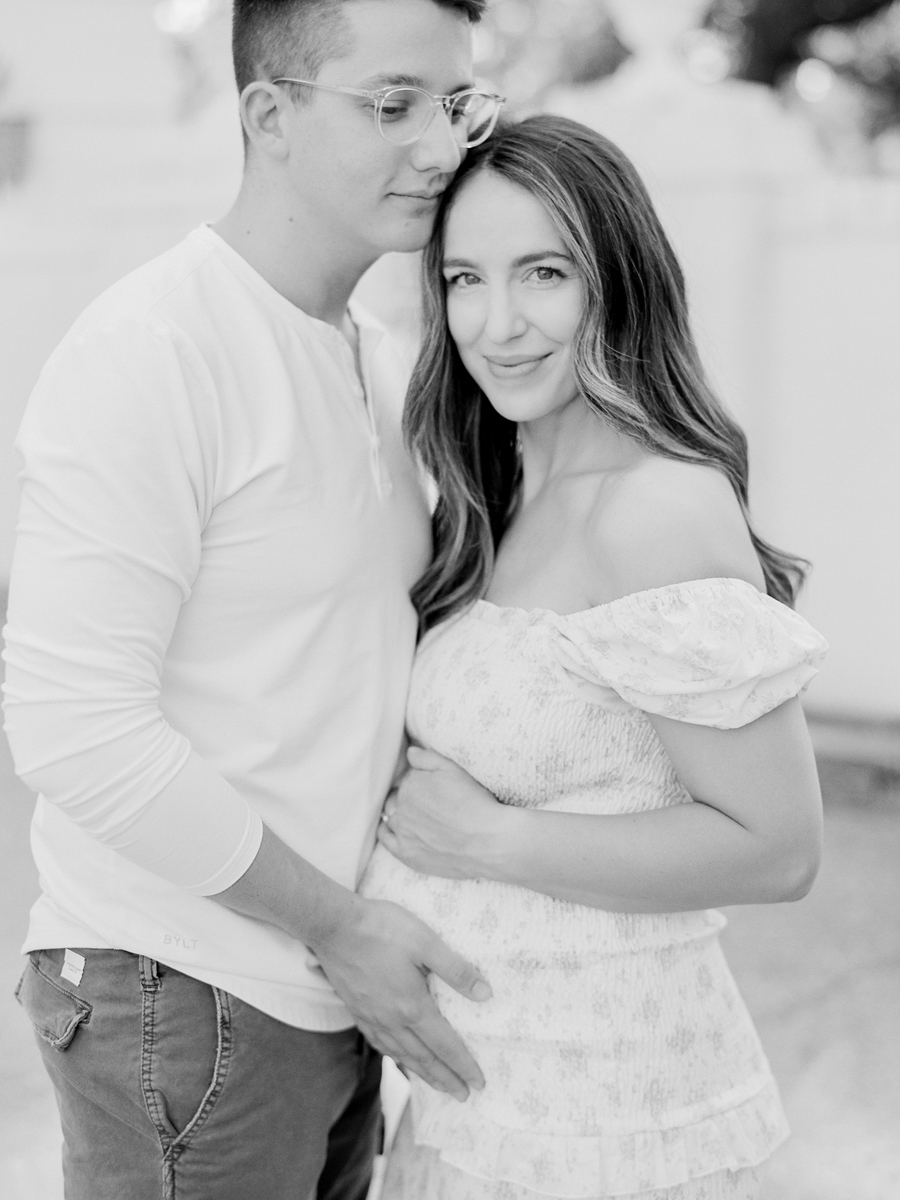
x=362 y=395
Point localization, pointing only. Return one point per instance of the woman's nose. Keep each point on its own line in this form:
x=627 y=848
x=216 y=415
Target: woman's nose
x=504 y=319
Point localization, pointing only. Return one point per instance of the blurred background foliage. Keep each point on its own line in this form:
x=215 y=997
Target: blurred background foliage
x=838 y=59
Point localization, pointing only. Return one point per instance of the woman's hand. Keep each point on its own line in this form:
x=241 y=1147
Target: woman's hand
x=439 y=820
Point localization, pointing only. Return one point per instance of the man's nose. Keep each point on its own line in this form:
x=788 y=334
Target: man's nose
x=437 y=149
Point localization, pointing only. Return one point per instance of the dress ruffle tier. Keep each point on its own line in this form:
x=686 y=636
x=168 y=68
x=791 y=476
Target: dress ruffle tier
x=606 y=1164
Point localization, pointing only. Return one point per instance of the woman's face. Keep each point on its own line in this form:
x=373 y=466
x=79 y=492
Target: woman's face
x=514 y=299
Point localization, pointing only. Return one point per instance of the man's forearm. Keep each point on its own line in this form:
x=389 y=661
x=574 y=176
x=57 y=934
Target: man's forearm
x=285 y=890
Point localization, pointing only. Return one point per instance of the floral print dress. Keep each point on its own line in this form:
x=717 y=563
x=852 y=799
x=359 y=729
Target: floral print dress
x=618 y=1054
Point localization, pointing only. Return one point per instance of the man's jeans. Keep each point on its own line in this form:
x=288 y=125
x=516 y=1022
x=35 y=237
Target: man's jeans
x=170 y=1089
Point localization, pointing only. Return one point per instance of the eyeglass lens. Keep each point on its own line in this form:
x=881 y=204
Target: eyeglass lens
x=406 y=113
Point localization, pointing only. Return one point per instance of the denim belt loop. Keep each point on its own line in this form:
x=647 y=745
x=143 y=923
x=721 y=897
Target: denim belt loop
x=149 y=974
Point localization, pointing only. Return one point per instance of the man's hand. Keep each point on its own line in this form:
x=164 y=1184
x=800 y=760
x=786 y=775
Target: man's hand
x=440 y=820
x=375 y=954
x=378 y=962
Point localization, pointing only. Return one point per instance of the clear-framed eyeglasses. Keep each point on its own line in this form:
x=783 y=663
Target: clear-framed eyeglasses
x=403 y=114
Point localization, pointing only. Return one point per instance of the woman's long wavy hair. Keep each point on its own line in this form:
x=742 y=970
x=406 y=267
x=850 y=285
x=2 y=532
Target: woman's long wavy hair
x=635 y=361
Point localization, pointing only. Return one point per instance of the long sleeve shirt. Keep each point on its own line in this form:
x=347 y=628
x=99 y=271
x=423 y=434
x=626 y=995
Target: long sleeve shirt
x=209 y=623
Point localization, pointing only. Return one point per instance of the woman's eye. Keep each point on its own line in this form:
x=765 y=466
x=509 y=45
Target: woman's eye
x=547 y=274
x=462 y=279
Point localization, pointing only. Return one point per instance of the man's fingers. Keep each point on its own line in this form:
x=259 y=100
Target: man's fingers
x=378 y=966
x=427 y=1044
x=449 y=1050
x=387 y=838
x=377 y=1039
x=425 y=760
x=417 y=1056
x=462 y=976
x=411 y=1053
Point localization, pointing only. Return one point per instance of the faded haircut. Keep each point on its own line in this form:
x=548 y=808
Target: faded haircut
x=271 y=38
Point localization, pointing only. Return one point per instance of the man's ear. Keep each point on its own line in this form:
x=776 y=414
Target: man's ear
x=264 y=109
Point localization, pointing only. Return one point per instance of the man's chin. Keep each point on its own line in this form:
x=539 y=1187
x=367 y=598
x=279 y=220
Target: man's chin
x=412 y=235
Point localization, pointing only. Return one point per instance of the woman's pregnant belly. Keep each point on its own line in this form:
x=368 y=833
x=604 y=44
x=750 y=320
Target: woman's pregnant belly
x=606 y=1010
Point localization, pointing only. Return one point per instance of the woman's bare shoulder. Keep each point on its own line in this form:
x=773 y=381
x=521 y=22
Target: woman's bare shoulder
x=664 y=521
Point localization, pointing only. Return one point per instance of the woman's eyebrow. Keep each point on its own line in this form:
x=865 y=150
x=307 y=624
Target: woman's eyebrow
x=527 y=259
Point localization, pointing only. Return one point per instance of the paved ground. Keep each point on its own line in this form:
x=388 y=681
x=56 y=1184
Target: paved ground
x=822 y=978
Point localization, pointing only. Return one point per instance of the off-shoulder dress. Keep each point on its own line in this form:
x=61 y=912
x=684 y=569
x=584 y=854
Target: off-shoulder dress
x=619 y=1056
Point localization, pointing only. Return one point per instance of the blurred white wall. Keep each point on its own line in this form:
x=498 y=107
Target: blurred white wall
x=828 y=451
x=116 y=175
x=795 y=293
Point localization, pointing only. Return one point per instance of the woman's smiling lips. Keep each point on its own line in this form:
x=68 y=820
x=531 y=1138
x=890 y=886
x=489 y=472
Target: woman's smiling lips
x=513 y=366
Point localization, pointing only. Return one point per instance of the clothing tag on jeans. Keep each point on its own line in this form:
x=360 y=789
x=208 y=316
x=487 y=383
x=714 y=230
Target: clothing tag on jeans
x=73 y=967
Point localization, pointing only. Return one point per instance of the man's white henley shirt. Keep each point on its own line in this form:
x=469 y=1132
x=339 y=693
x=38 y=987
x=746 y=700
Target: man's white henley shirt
x=209 y=624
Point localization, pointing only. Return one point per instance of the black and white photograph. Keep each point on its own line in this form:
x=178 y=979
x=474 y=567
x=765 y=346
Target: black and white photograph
x=450 y=596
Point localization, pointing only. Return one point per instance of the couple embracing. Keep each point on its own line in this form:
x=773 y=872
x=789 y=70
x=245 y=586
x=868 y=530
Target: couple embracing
x=426 y=718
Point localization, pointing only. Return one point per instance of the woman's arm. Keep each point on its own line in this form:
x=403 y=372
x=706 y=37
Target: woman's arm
x=753 y=834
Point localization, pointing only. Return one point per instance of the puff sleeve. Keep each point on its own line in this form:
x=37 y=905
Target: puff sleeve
x=713 y=652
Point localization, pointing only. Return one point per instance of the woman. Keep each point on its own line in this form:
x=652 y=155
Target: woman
x=609 y=739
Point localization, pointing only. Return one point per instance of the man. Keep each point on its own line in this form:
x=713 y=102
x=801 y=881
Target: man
x=209 y=643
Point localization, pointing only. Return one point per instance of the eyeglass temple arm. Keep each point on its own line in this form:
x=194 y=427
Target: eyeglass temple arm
x=328 y=87
x=382 y=92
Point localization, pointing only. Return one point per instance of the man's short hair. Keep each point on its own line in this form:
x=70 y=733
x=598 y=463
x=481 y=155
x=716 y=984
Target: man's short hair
x=295 y=37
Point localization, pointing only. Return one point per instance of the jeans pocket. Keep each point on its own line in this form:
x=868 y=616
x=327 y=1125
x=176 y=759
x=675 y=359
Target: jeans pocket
x=55 y=1012
x=185 y=1052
